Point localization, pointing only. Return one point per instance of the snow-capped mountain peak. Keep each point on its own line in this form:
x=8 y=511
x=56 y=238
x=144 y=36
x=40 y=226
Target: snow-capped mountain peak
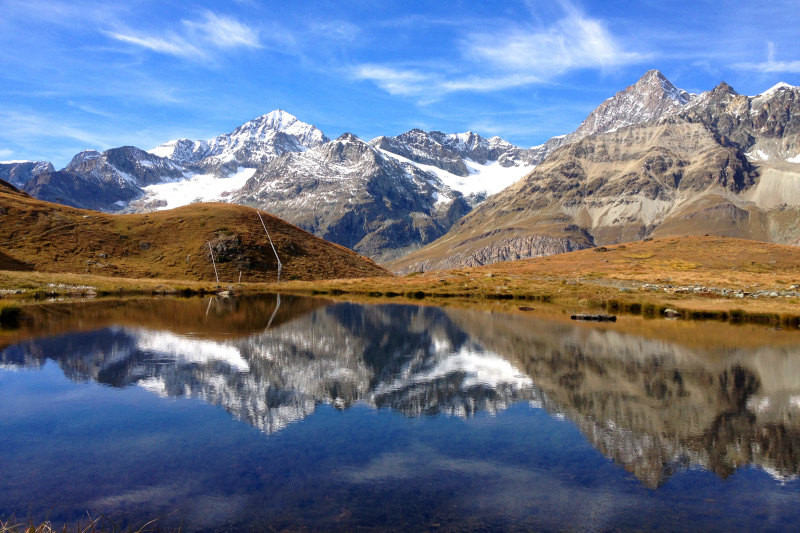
x=780 y=86
x=281 y=121
x=252 y=144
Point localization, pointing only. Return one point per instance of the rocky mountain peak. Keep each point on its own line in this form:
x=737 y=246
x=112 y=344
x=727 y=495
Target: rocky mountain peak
x=451 y=152
x=651 y=97
x=82 y=158
x=347 y=149
x=724 y=89
x=654 y=81
x=348 y=137
x=181 y=150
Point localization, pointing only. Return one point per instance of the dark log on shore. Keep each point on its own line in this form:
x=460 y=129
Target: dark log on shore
x=595 y=318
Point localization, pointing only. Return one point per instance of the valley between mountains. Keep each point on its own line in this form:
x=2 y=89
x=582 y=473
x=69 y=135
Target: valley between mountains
x=651 y=163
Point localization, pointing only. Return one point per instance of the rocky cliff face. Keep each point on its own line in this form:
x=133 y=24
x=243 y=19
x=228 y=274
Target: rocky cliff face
x=766 y=127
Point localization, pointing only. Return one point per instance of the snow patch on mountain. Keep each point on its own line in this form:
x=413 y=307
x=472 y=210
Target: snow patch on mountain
x=757 y=155
x=196 y=188
x=489 y=178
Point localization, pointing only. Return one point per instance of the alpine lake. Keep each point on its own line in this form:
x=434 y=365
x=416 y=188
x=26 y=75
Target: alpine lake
x=292 y=413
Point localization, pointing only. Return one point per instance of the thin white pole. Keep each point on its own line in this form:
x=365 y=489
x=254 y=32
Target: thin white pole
x=280 y=265
x=275 y=312
x=210 y=249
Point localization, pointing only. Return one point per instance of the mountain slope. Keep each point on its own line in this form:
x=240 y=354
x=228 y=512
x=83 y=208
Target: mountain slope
x=107 y=180
x=686 y=172
x=348 y=192
x=37 y=235
x=18 y=173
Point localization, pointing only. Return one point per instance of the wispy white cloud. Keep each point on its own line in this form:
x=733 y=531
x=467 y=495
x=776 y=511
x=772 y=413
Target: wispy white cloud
x=430 y=85
x=90 y=109
x=197 y=40
x=5 y=152
x=574 y=42
x=26 y=126
x=224 y=32
x=397 y=81
x=772 y=65
x=172 y=44
x=514 y=55
x=337 y=30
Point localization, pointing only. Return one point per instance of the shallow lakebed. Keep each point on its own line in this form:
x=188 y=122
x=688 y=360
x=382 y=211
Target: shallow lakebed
x=297 y=413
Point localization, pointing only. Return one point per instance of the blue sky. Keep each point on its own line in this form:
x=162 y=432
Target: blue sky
x=84 y=74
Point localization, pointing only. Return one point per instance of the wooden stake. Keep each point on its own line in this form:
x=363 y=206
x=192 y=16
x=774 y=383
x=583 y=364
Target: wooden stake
x=280 y=265
x=210 y=249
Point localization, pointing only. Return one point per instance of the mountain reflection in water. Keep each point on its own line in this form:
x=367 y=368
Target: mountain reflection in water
x=652 y=406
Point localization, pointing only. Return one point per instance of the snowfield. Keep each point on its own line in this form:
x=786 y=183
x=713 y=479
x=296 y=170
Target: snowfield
x=197 y=188
x=490 y=179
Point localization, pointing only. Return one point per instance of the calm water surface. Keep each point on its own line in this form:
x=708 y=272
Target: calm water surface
x=304 y=414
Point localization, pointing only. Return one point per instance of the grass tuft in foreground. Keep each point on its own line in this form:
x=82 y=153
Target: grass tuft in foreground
x=101 y=524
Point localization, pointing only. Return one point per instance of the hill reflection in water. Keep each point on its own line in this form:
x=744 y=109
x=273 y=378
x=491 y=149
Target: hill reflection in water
x=653 y=406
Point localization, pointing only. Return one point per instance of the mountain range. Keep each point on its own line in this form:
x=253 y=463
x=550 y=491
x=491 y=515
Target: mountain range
x=652 y=160
x=715 y=163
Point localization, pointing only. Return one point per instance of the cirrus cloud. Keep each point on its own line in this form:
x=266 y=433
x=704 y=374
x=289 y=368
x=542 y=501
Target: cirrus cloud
x=507 y=58
x=197 y=40
x=771 y=65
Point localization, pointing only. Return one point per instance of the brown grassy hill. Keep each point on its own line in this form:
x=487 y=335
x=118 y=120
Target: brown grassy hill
x=46 y=237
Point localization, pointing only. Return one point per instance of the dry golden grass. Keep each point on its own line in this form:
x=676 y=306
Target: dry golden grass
x=589 y=278
x=581 y=280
